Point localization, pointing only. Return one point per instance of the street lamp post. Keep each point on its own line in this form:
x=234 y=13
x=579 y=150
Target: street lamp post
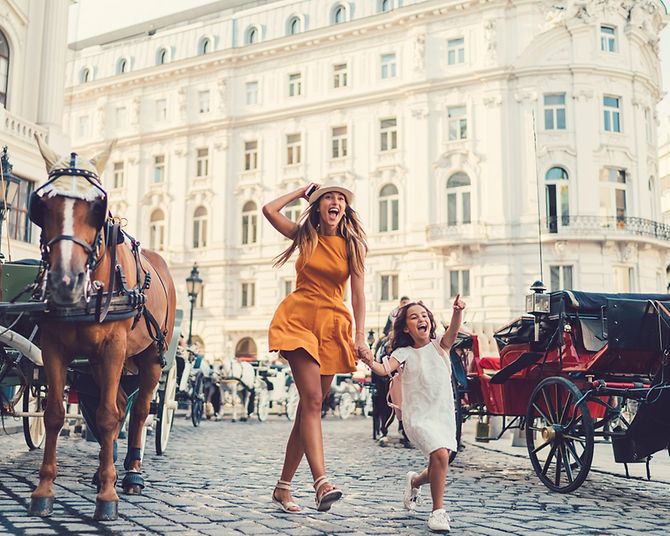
x=371 y=338
x=193 y=287
x=9 y=187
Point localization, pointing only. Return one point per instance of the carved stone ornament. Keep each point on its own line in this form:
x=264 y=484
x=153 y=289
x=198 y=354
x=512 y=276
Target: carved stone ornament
x=491 y=40
x=419 y=52
x=628 y=251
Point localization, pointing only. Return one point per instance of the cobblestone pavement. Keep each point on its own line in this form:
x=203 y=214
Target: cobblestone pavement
x=217 y=479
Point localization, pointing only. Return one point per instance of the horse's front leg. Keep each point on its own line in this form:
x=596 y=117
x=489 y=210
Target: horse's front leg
x=149 y=374
x=107 y=370
x=55 y=366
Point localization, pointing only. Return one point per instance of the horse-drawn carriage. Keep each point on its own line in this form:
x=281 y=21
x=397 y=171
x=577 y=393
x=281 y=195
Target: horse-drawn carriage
x=565 y=374
x=96 y=316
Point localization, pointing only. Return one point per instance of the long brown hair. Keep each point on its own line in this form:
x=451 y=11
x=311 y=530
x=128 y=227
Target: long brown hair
x=400 y=338
x=306 y=238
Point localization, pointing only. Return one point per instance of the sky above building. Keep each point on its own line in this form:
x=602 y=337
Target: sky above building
x=89 y=18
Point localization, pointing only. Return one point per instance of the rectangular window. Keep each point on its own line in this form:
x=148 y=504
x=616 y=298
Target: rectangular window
x=82 y=131
x=288 y=284
x=458 y=123
x=20 y=227
x=161 y=110
x=250 y=155
x=293 y=210
x=560 y=277
x=295 y=85
x=159 y=168
x=456 y=51
x=388 y=66
x=118 y=175
x=293 y=149
x=459 y=282
x=608 y=39
x=388 y=130
x=249 y=227
x=613 y=197
x=339 y=144
x=340 y=75
x=611 y=114
x=252 y=92
x=389 y=287
x=554 y=111
x=248 y=294
x=121 y=117
x=202 y=163
x=203 y=102
x=624 y=279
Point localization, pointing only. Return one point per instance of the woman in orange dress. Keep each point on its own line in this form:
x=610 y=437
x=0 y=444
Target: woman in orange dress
x=312 y=328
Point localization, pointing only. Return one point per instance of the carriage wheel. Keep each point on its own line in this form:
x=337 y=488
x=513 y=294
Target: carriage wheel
x=563 y=450
x=458 y=412
x=292 y=401
x=198 y=399
x=346 y=406
x=166 y=406
x=262 y=403
x=34 y=401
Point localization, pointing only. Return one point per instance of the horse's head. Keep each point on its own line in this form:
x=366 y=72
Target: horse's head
x=70 y=208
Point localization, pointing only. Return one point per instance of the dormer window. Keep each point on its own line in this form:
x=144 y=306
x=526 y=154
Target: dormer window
x=161 y=56
x=294 y=26
x=253 y=35
x=205 y=46
x=122 y=66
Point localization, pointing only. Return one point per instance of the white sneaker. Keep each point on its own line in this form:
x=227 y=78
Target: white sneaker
x=439 y=521
x=411 y=496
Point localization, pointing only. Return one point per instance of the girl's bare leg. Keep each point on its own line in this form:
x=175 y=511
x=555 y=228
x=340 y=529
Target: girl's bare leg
x=437 y=475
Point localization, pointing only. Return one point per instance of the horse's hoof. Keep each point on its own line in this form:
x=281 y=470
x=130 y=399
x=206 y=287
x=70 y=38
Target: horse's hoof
x=106 y=510
x=133 y=483
x=41 y=506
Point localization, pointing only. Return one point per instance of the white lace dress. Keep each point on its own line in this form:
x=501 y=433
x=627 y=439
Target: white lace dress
x=427 y=398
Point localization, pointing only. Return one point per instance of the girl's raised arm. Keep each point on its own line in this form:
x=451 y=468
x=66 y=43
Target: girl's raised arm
x=272 y=211
x=449 y=337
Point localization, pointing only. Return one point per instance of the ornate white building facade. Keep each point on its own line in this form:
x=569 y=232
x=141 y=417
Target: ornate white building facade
x=470 y=131
x=33 y=48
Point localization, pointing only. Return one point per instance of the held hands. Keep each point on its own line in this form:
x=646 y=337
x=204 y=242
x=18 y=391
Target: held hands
x=459 y=304
x=365 y=356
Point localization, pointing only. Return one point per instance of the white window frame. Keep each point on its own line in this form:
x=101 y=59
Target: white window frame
x=295 y=84
x=609 y=42
x=287 y=286
x=388 y=64
x=456 y=51
x=251 y=89
x=200 y=227
x=294 y=149
x=118 y=175
x=624 y=279
x=293 y=210
x=339 y=147
x=249 y=224
x=457 y=122
x=462 y=196
x=612 y=115
x=250 y=155
x=557 y=193
x=613 y=191
x=388 y=134
x=389 y=287
x=340 y=75
x=157 y=231
x=561 y=277
x=389 y=209
x=460 y=282
x=202 y=162
x=247 y=294
x=555 y=111
x=159 y=169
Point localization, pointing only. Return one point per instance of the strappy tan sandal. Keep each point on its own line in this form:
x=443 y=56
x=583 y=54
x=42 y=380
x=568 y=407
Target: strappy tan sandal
x=325 y=500
x=290 y=506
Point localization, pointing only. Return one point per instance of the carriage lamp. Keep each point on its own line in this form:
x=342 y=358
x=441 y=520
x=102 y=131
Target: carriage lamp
x=193 y=287
x=537 y=304
x=371 y=338
x=9 y=187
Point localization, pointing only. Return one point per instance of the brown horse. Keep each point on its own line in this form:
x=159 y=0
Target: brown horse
x=82 y=258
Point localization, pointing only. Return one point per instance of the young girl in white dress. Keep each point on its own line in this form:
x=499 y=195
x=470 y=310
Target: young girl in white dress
x=427 y=398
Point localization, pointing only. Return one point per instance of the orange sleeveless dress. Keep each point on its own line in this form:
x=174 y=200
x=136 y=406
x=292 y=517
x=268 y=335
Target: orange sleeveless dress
x=313 y=316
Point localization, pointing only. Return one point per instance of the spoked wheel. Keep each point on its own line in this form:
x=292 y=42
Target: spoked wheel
x=34 y=401
x=262 y=403
x=292 y=400
x=458 y=412
x=346 y=406
x=166 y=407
x=559 y=434
x=198 y=400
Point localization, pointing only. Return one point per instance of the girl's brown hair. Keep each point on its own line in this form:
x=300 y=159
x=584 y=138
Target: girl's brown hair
x=401 y=338
x=349 y=228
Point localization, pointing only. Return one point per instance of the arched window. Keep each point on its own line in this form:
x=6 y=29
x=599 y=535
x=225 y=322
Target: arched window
x=157 y=230
x=385 y=5
x=458 y=199
x=388 y=209
x=4 y=69
x=161 y=56
x=293 y=26
x=122 y=66
x=200 y=227
x=249 y=223
x=246 y=349
x=253 y=36
x=85 y=75
x=558 y=201
x=339 y=14
x=205 y=46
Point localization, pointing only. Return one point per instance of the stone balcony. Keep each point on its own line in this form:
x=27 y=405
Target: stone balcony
x=19 y=128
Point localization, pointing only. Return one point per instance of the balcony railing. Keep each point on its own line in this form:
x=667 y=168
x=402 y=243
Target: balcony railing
x=18 y=127
x=583 y=225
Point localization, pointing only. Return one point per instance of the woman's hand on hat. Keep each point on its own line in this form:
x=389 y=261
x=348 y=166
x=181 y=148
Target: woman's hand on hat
x=310 y=189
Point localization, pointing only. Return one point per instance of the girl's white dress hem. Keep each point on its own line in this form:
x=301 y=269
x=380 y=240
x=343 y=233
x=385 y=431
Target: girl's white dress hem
x=428 y=415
